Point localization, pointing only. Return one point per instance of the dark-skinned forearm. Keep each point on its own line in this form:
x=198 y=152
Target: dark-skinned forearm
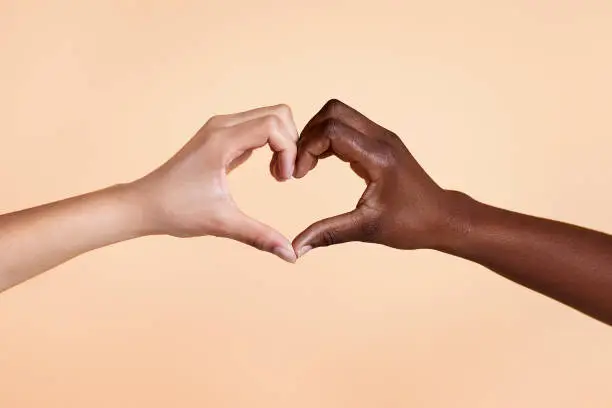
x=565 y=262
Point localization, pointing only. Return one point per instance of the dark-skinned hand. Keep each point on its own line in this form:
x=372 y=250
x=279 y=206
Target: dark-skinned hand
x=402 y=207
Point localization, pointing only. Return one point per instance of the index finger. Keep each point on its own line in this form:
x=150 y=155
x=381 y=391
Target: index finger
x=335 y=137
x=282 y=110
x=258 y=132
x=335 y=109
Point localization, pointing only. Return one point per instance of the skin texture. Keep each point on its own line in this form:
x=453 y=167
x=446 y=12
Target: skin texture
x=402 y=207
x=188 y=196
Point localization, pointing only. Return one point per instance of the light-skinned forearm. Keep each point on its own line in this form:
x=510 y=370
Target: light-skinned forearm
x=37 y=239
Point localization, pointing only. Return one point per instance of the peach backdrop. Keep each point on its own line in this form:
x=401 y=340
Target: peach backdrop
x=509 y=101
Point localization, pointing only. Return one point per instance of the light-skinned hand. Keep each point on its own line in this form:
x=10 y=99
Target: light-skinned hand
x=188 y=196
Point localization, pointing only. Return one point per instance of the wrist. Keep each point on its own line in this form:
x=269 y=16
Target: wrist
x=132 y=204
x=458 y=223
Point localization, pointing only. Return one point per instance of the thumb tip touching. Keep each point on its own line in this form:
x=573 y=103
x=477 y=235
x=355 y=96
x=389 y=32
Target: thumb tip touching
x=291 y=253
x=285 y=252
x=300 y=252
x=304 y=243
x=260 y=236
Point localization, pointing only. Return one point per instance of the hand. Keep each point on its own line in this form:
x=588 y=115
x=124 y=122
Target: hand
x=402 y=207
x=189 y=196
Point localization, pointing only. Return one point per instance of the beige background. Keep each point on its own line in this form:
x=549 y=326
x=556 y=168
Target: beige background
x=509 y=101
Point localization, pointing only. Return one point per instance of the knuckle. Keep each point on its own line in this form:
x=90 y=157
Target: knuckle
x=266 y=242
x=262 y=240
x=214 y=121
x=271 y=123
x=329 y=127
x=255 y=243
x=384 y=146
x=386 y=154
x=284 y=110
x=394 y=136
x=328 y=237
x=332 y=106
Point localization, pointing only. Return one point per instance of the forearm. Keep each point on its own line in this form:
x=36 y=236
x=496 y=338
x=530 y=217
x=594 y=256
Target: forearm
x=568 y=263
x=35 y=240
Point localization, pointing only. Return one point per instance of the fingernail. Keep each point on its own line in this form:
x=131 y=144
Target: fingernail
x=303 y=250
x=285 y=254
x=289 y=174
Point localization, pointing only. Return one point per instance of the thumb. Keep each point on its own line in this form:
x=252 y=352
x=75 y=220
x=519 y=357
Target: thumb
x=347 y=227
x=247 y=230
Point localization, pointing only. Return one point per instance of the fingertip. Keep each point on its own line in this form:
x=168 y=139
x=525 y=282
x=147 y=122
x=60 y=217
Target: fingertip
x=303 y=242
x=277 y=177
x=298 y=171
x=300 y=242
x=288 y=169
x=291 y=170
x=286 y=165
x=303 y=251
x=275 y=170
x=304 y=164
x=285 y=253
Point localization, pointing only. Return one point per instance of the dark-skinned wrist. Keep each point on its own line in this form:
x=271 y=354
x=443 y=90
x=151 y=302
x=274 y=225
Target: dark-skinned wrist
x=458 y=222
